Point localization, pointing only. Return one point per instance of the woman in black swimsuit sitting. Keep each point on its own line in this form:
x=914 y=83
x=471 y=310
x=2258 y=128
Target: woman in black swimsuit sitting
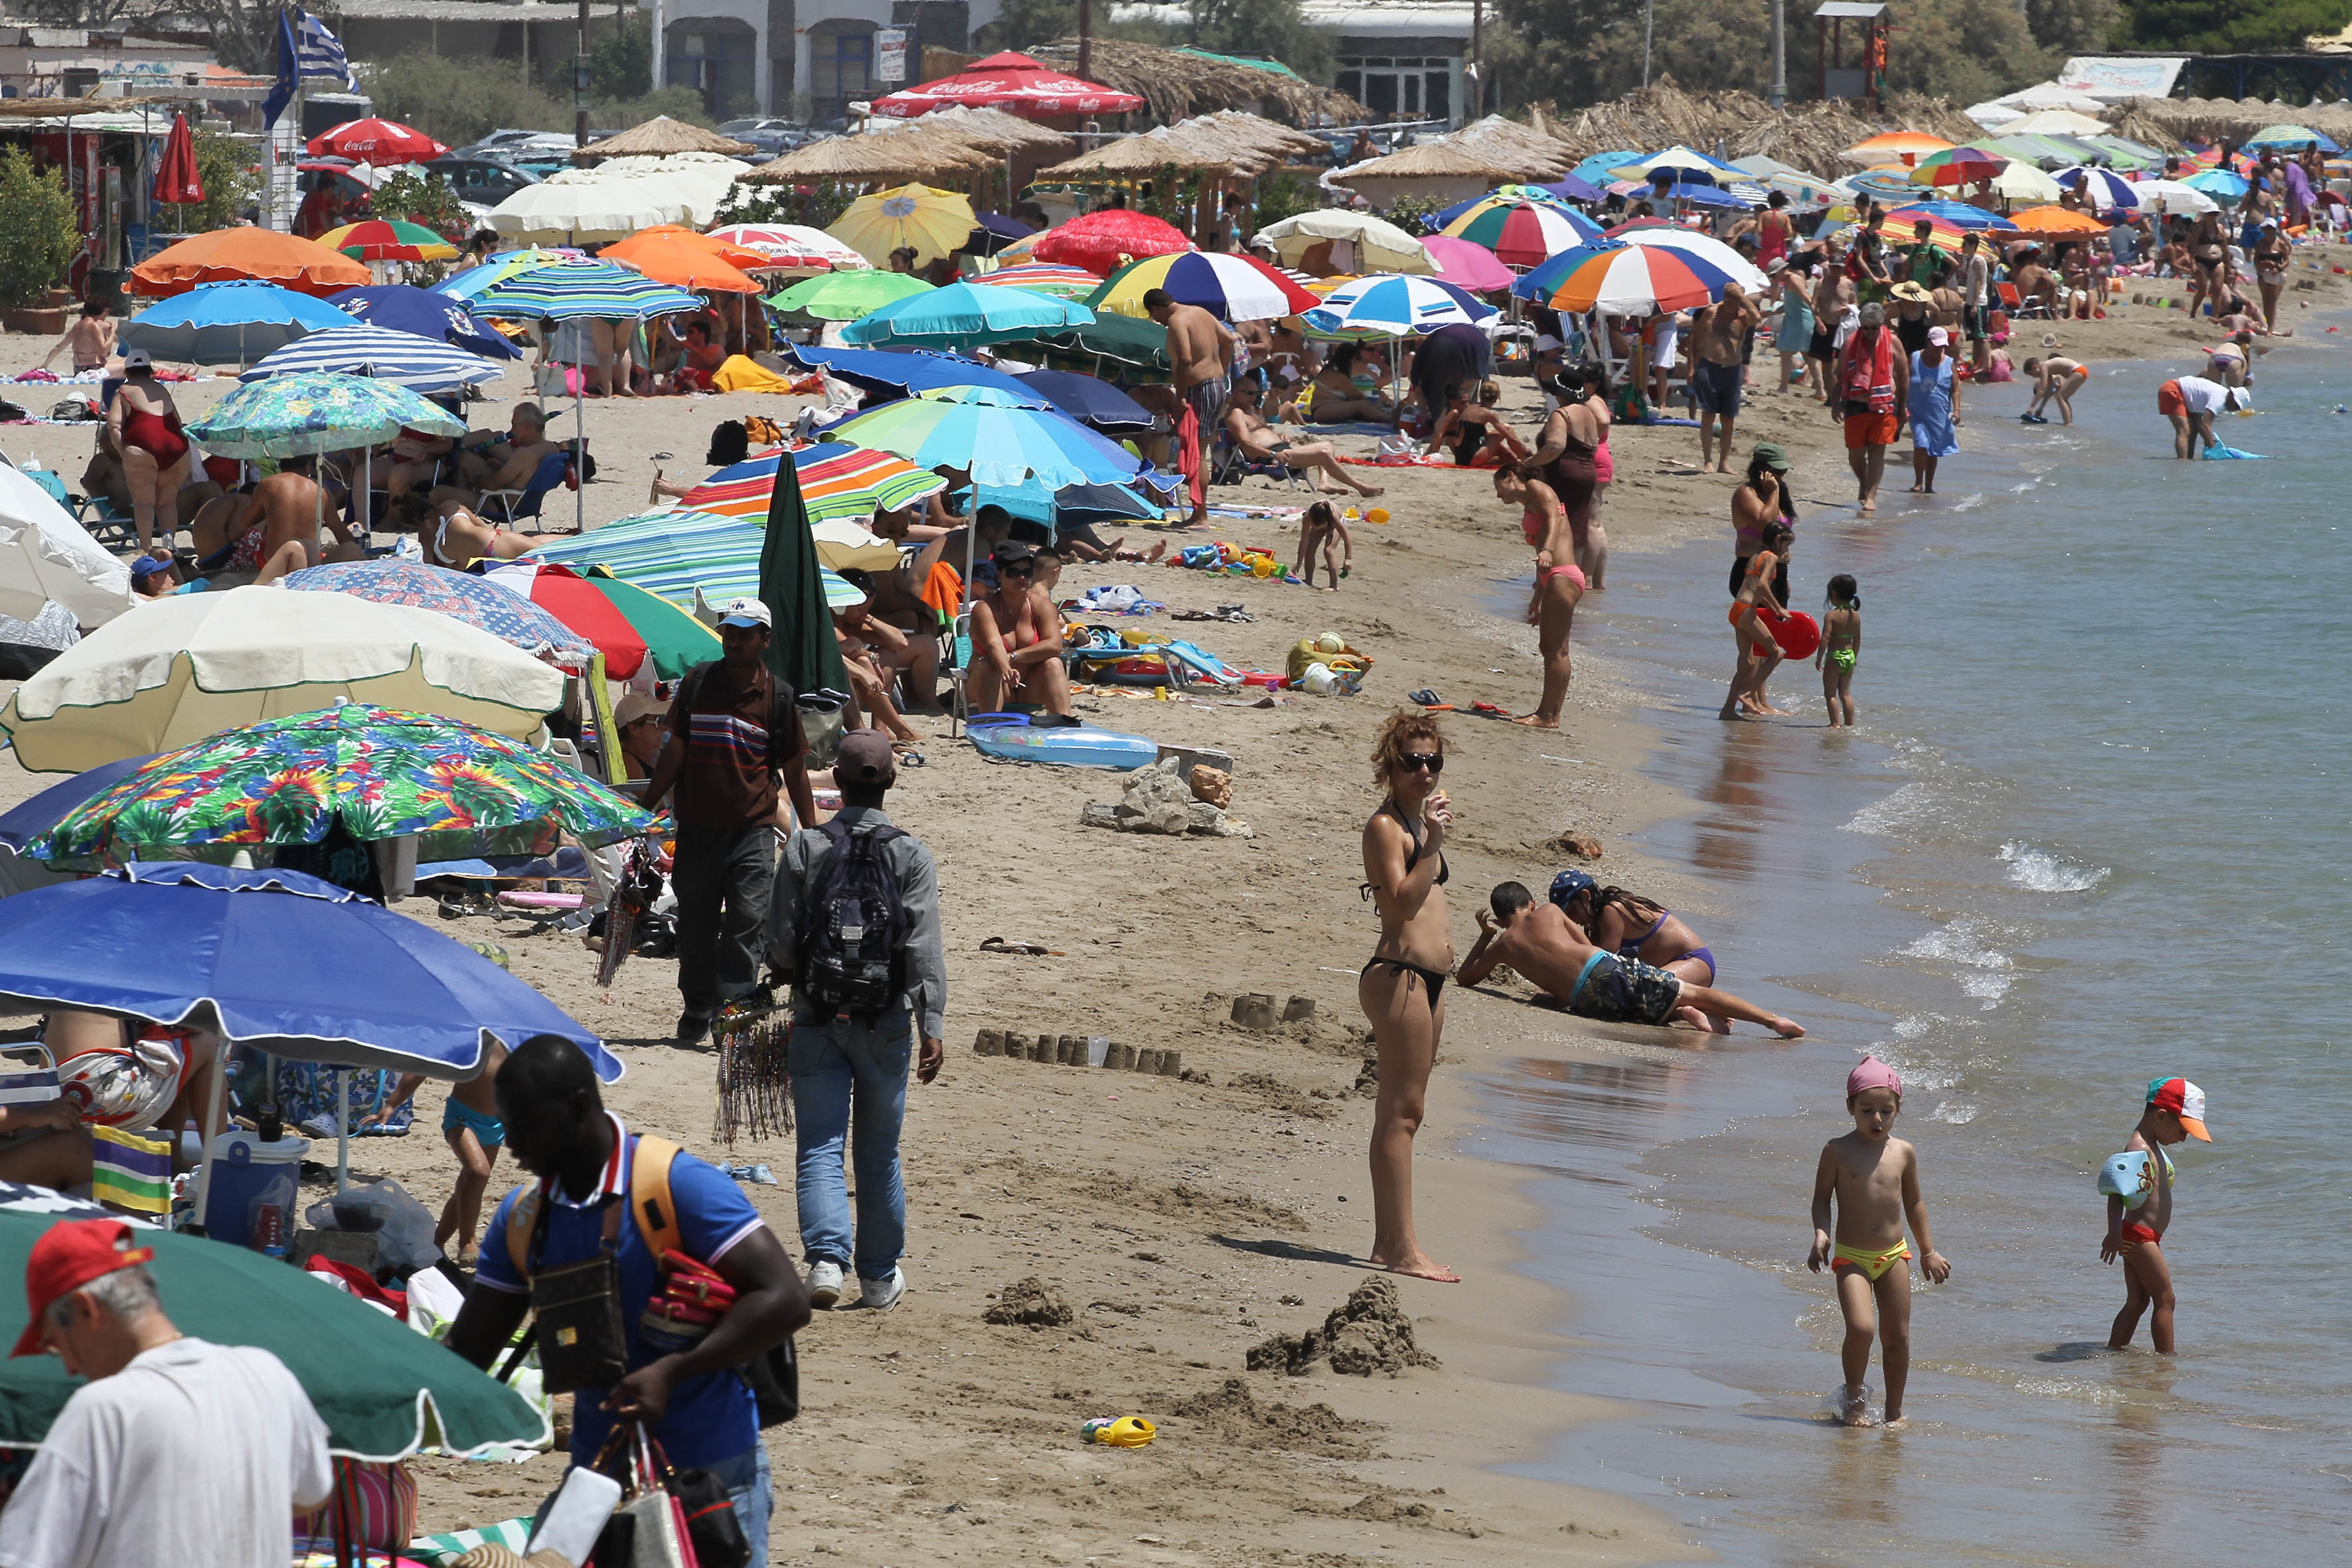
x=1402 y=989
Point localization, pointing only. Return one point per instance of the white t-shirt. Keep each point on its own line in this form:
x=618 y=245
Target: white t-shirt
x=194 y=1453
x=2204 y=397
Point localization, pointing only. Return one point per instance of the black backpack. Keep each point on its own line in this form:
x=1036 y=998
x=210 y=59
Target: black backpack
x=853 y=926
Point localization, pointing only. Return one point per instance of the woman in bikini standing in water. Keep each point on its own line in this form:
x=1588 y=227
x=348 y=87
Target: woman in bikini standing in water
x=145 y=425
x=1402 y=989
x=1560 y=586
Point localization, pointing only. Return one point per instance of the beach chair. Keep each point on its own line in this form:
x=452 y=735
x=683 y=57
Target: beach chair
x=512 y=506
x=2017 y=306
x=1229 y=465
x=108 y=527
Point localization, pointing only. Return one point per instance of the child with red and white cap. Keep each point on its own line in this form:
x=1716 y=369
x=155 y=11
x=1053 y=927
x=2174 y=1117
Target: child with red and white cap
x=1874 y=1178
x=2175 y=1111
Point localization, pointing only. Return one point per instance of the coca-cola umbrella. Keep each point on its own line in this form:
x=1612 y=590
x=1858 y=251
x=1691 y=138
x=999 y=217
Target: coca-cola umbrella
x=1015 y=83
x=376 y=141
x=176 y=180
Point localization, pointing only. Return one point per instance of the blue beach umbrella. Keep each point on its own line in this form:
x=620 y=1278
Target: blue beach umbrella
x=480 y=602
x=1598 y=169
x=228 y=323
x=2105 y=190
x=417 y=364
x=962 y=313
x=2218 y=182
x=972 y=429
x=902 y=372
x=2294 y=136
x=1960 y=215
x=403 y=308
x=1091 y=400
x=1394 y=307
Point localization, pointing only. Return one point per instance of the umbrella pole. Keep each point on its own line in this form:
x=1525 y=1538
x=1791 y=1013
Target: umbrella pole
x=580 y=449
x=342 y=1135
x=216 y=1107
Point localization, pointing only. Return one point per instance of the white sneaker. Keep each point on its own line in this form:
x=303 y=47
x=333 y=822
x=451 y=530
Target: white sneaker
x=882 y=1294
x=824 y=1285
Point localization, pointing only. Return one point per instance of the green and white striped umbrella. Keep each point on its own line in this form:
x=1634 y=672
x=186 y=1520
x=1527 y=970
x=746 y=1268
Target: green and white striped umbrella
x=577 y=289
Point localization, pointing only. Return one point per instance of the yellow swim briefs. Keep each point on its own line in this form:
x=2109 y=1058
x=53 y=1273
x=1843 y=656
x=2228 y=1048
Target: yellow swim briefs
x=1872 y=1264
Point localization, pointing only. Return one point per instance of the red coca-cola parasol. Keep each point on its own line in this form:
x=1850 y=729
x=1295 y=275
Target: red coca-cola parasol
x=376 y=142
x=1011 y=82
x=175 y=174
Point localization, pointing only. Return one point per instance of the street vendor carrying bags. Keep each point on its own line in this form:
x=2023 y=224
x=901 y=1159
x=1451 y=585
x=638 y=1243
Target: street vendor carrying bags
x=595 y=1247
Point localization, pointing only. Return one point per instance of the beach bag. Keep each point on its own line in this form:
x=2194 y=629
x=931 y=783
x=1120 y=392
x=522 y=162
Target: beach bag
x=824 y=717
x=853 y=926
x=576 y=1308
x=373 y=1506
x=649 y=1530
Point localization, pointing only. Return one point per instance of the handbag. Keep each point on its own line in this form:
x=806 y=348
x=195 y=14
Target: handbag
x=707 y=1508
x=576 y=1313
x=649 y=1530
x=372 y=1508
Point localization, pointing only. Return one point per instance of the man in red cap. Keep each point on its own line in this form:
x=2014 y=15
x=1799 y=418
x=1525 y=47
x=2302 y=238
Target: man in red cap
x=175 y=1450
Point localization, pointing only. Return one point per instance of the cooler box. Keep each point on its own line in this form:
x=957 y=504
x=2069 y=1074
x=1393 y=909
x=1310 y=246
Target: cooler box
x=254 y=1187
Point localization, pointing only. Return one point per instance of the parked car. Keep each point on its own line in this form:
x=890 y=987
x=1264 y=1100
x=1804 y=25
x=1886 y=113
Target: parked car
x=481 y=182
x=772 y=137
x=512 y=143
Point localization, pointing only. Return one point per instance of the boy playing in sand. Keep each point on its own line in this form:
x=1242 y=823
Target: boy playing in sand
x=2175 y=1110
x=1874 y=1177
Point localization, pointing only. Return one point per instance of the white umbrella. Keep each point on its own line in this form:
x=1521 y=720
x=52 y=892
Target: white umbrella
x=1993 y=115
x=1678 y=158
x=595 y=211
x=46 y=557
x=2171 y=197
x=794 y=246
x=1381 y=246
x=2021 y=181
x=2104 y=189
x=846 y=546
x=2050 y=95
x=1714 y=252
x=193 y=665
x=698 y=180
x=2056 y=122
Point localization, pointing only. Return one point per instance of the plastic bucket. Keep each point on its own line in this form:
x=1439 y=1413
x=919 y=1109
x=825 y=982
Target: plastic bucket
x=254 y=1186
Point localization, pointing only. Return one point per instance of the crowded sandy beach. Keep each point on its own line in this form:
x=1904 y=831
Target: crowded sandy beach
x=899 y=872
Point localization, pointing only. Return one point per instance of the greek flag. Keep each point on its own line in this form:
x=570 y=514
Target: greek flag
x=307 y=51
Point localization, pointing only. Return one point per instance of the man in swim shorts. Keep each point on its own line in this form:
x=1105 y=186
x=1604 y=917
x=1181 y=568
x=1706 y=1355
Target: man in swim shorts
x=1552 y=952
x=2191 y=402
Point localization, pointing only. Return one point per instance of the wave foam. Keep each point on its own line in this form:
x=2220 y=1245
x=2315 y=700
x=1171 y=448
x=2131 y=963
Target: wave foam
x=2042 y=872
x=1958 y=1112
x=1908 y=807
x=1959 y=943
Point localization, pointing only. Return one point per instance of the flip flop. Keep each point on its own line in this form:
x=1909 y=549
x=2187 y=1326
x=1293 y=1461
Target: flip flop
x=1024 y=949
x=1491 y=709
x=1426 y=696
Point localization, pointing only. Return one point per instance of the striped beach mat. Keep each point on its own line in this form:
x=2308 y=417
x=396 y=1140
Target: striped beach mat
x=131 y=1172
x=441 y=1550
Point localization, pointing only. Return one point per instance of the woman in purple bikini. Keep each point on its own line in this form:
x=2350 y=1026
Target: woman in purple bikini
x=1633 y=927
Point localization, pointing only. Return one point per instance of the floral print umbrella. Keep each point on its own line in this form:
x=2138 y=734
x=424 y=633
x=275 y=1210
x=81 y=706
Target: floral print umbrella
x=494 y=607
x=385 y=773
x=316 y=411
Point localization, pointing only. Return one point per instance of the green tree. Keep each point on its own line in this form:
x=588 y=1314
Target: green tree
x=420 y=198
x=456 y=102
x=1274 y=29
x=226 y=168
x=2072 y=26
x=621 y=61
x=39 y=231
x=2225 y=26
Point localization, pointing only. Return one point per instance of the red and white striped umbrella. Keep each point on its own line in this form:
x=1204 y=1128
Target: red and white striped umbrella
x=791 y=245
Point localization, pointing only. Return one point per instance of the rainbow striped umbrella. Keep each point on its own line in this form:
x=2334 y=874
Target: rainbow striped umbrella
x=838 y=480
x=1394 y=307
x=1523 y=233
x=1230 y=288
x=1958 y=166
x=1620 y=279
x=388 y=239
x=1064 y=282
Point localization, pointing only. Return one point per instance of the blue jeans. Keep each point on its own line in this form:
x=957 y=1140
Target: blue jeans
x=848 y=1073
x=745 y=1476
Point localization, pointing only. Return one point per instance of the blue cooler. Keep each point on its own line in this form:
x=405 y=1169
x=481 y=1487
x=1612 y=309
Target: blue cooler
x=254 y=1188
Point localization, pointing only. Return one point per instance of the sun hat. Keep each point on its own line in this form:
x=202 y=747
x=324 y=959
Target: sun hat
x=2184 y=1099
x=637 y=705
x=1938 y=336
x=70 y=1255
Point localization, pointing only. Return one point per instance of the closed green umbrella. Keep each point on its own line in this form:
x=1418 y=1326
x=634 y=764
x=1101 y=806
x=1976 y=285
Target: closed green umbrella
x=384 y=1389
x=801 y=649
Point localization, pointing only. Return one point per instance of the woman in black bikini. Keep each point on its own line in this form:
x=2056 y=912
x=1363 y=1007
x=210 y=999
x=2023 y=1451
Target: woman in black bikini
x=1402 y=989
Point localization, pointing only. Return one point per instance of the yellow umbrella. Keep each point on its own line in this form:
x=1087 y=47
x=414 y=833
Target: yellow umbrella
x=933 y=222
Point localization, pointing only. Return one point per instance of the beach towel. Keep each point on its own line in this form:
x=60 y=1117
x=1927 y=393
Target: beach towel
x=441 y=1550
x=130 y=1172
x=943 y=591
x=741 y=375
x=1189 y=454
x=2219 y=454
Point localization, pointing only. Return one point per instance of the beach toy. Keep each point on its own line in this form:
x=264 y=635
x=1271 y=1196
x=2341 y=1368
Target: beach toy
x=1331 y=642
x=2129 y=1176
x=1261 y=566
x=1798 y=635
x=1379 y=514
x=1318 y=678
x=1010 y=735
x=1121 y=1432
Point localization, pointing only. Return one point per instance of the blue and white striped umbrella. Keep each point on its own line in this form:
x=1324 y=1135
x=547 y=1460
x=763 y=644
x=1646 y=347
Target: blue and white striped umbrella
x=2102 y=190
x=572 y=290
x=1394 y=307
x=417 y=364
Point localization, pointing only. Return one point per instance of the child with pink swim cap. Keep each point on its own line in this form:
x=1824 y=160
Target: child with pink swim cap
x=1874 y=1178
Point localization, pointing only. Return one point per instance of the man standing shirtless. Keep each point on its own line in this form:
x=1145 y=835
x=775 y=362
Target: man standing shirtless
x=1716 y=373
x=1550 y=950
x=1200 y=347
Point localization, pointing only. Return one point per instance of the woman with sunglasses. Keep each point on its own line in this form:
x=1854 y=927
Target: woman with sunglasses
x=1402 y=989
x=1016 y=639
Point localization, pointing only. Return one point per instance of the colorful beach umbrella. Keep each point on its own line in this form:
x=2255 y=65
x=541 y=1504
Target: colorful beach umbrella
x=1230 y=288
x=2102 y=190
x=838 y=480
x=385 y=240
x=2219 y=183
x=1905 y=146
x=790 y=247
x=1958 y=166
x=629 y=622
x=228 y=323
x=845 y=296
x=932 y=222
x=1044 y=277
x=1015 y=83
x=1523 y=233
x=468 y=286
x=685 y=560
x=476 y=601
x=1393 y=307
x=376 y=142
x=311 y=411
x=247 y=254
x=2290 y=136
x=1102 y=242
x=1466 y=265
x=961 y=313
x=993 y=444
x=742 y=257
x=380 y=772
x=1702 y=251
x=574 y=289
x=1620 y=279
x=683 y=262
x=417 y=364
x=2056 y=223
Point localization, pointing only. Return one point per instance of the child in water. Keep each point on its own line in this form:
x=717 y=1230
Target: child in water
x=2175 y=1111
x=1874 y=1178
x=1841 y=648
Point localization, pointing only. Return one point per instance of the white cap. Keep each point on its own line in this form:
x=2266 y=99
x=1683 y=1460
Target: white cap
x=1938 y=336
x=746 y=613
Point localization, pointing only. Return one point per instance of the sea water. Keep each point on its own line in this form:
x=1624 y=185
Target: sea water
x=2092 y=831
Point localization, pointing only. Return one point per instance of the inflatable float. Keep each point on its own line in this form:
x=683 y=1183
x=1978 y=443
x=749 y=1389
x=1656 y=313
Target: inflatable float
x=1011 y=736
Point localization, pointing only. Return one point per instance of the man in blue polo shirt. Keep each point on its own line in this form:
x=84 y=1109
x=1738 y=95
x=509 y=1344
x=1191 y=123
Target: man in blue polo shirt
x=694 y=1403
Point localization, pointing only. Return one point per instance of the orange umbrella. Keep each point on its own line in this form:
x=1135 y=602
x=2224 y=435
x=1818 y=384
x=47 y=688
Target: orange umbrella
x=235 y=255
x=670 y=260
x=2062 y=223
x=741 y=257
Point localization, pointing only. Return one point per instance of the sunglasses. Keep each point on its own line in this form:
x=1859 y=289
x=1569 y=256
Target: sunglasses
x=1414 y=762
x=1010 y=569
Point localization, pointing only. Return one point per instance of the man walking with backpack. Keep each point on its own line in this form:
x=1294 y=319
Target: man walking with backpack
x=731 y=734
x=855 y=925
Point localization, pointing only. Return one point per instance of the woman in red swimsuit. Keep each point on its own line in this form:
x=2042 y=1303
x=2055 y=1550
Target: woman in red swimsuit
x=145 y=425
x=1016 y=639
x=1560 y=586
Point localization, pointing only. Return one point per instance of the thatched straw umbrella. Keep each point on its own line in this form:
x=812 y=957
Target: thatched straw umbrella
x=1176 y=83
x=2135 y=124
x=1538 y=155
x=916 y=153
x=659 y=137
x=1444 y=171
x=1228 y=145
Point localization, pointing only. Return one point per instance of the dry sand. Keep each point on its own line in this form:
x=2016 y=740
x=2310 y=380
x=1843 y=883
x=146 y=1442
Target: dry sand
x=1184 y=1222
